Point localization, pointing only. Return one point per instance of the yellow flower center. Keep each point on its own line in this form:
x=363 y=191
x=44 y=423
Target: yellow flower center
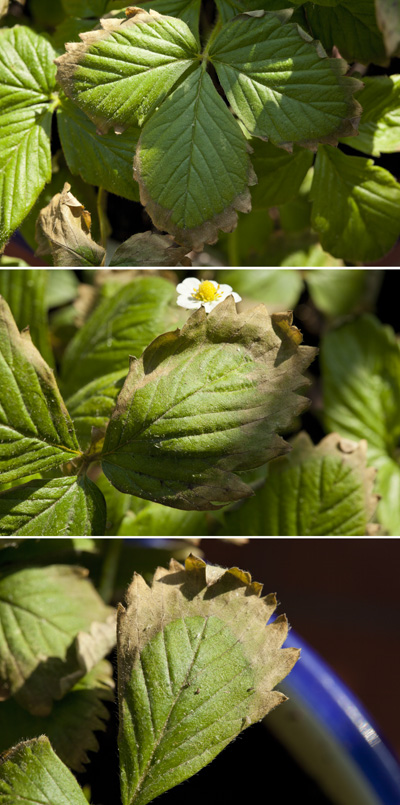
x=207 y=292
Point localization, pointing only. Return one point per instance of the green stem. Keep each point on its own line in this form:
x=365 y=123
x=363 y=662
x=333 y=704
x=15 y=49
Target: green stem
x=102 y=214
x=214 y=33
x=109 y=569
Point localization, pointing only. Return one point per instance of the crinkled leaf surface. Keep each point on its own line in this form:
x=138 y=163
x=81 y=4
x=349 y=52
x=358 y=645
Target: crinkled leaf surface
x=323 y=490
x=63 y=229
x=120 y=326
x=25 y=290
x=195 y=144
x=388 y=16
x=379 y=130
x=72 y=722
x=27 y=81
x=64 y=507
x=92 y=406
x=121 y=72
x=54 y=629
x=36 y=432
x=276 y=289
x=203 y=403
x=288 y=90
x=149 y=249
x=356 y=206
x=104 y=160
x=197 y=665
x=32 y=773
x=350 y=25
x=280 y=173
x=360 y=365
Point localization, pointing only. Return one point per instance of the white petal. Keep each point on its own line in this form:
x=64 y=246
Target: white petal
x=236 y=296
x=226 y=289
x=209 y=306
x=190 y=304
x=188 y=285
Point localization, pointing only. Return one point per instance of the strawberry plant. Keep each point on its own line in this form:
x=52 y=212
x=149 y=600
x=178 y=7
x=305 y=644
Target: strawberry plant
x=248 y=118
x=197 y=664
x=158 y=403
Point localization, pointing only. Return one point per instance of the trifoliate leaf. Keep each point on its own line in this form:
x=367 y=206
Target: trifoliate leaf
x=203 y=403
x=66 y=507
x=323 y=490
x=195 y=144
x=54 y=629
x=72 y=722
x=356 y=206
x=119 y=73
x=289 y=91
x=197 y=665
x=27 y=81
x=100 y=159
x=388 y=16
x=32 y=773
x=120 y=326
x=150 y=249
x=351 y=26
x=379 y=130
x=25 y=292
x=63 y=230
x=36 y=432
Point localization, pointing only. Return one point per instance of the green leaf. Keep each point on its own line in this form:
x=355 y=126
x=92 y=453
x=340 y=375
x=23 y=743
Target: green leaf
x=31 y=772
x=323 y=490
x=155 y=520
x=340 y=293
x=360 y=365
x=197 y=666
x=69 y=29
x=388 y=487
x=388 y=17
x=351 y=26
x=196 y=146
x=63 y=630
x=92 y=405
x=62 y=287
x=104 y=160
x=187 y=10
x=120 y=326
x=280 y=173
x=63 y=229
x=121 y=72
x=278 y=290
x=24 y=290
x=63 y=507
x=85 y=8
x=27 y=81
x=379 y=130
x=203 y=403
x=36 y=432
x=230 y=8
x=71 y=725
x=288 y=90
x=356 y=206
x=149 y=249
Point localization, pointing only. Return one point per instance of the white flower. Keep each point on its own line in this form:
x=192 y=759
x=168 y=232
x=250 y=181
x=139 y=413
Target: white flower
x=193 y=293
